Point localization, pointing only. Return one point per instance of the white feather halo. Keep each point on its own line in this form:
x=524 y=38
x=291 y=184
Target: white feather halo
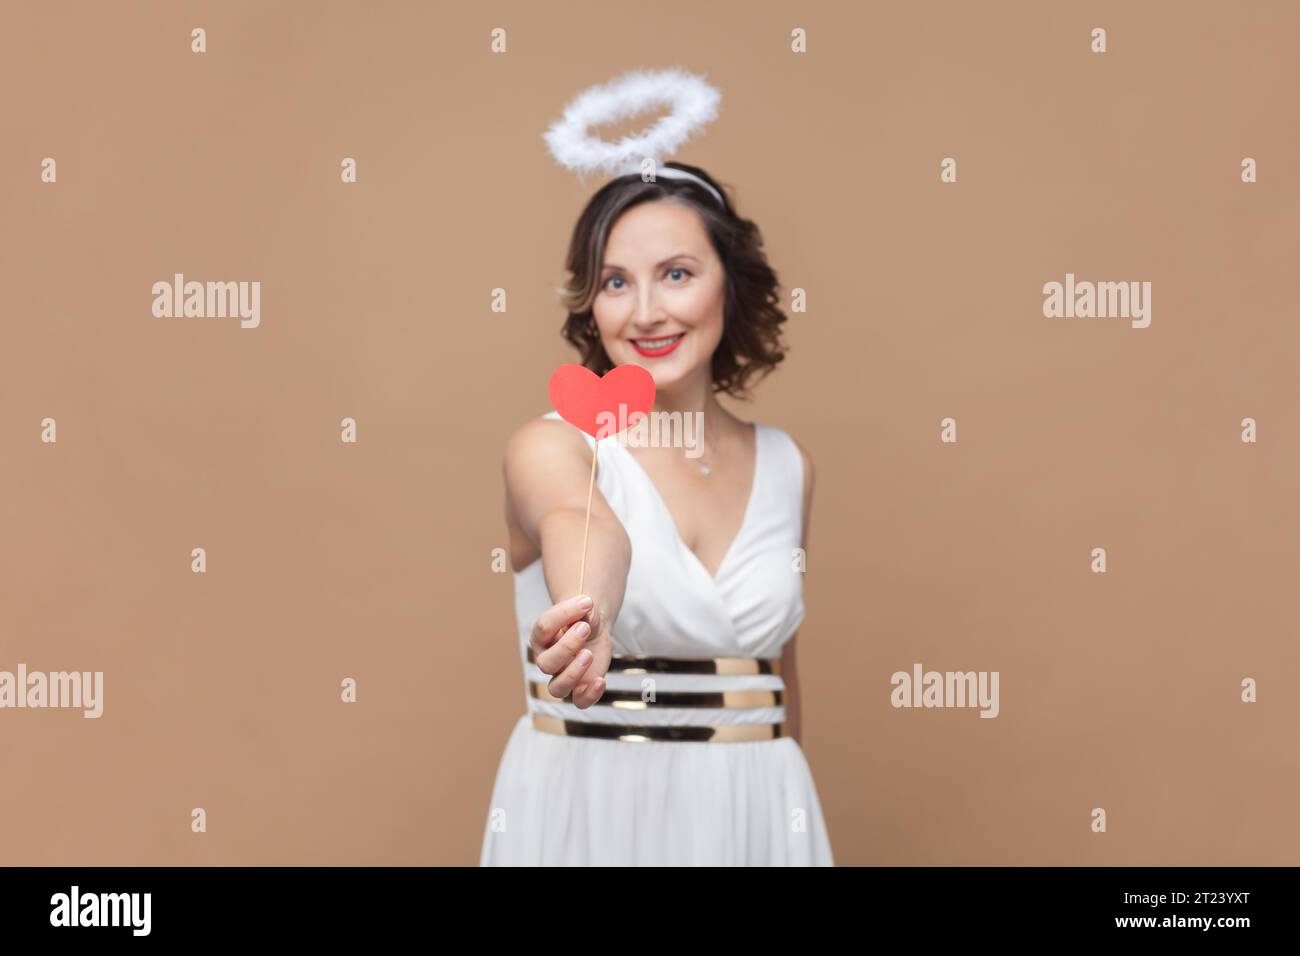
x=693 y=104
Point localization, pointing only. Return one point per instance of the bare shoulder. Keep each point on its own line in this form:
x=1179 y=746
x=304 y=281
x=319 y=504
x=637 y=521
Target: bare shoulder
x=540 y=440
x=548 y=466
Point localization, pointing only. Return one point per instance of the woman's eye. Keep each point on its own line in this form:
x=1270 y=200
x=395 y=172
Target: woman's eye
x=611 y=279
x=678 y=269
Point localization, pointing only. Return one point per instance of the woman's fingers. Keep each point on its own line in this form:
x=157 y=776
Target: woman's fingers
x=560 y=655
x=564 y=648
x=589 y=693
x=550 y=624
x=563 y=683
x=592 y=687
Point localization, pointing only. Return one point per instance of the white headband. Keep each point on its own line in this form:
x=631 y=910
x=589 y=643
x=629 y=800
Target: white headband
x=667 y=172
x=693 y=105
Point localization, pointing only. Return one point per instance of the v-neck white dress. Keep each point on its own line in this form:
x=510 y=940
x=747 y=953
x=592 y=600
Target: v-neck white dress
x=565 y=800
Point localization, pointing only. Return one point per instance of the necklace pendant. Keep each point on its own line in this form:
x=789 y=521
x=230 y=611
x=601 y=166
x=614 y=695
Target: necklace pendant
x=706 y=469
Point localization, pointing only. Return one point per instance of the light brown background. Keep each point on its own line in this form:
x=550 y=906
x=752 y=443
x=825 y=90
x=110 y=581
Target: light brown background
x=327 y=560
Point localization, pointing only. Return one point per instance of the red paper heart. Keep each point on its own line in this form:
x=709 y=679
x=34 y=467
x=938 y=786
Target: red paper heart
x=592 y=402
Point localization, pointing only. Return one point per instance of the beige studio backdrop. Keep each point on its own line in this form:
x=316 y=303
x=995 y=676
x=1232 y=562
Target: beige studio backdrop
x=1120 y=691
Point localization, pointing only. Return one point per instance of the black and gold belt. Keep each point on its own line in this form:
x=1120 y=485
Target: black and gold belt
x=579 y=723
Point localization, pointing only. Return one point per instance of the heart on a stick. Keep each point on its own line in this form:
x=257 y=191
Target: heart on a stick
x=602 y=405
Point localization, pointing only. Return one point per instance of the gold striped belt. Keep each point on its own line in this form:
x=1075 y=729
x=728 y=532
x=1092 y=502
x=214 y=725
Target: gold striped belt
x=724 y=666
x=712 y=734
x=636 y=700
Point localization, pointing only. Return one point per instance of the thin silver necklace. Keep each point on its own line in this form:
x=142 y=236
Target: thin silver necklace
x=705 y=467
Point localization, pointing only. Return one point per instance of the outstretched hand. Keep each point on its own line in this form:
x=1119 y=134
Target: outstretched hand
x=571 y=643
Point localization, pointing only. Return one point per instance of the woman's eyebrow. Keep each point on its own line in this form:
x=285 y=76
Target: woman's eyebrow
x=658 y=265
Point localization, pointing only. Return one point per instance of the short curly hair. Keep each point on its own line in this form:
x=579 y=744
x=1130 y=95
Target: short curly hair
x=751 y=337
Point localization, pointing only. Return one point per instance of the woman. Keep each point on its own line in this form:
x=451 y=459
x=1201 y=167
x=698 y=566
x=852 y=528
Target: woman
x=663 y=720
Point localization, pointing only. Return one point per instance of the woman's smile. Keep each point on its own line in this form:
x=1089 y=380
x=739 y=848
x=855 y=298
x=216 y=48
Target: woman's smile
x=652 y=348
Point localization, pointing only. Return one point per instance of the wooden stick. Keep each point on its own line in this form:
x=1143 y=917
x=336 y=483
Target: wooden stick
x=582 y=571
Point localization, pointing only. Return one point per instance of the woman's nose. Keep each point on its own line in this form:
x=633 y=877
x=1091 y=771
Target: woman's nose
x=647 y=315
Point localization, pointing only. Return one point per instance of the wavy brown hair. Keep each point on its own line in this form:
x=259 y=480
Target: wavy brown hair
x=751 y=327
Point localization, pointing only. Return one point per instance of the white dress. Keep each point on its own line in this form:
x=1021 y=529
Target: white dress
x=577 y=800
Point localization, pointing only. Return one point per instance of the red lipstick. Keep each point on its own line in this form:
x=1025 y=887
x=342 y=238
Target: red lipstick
x=660 y=349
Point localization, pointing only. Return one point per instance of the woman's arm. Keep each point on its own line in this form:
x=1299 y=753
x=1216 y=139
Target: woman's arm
x=789 y=670
x=547 y=473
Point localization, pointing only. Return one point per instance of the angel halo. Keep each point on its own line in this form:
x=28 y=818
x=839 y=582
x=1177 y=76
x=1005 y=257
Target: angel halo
x=692 y=104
